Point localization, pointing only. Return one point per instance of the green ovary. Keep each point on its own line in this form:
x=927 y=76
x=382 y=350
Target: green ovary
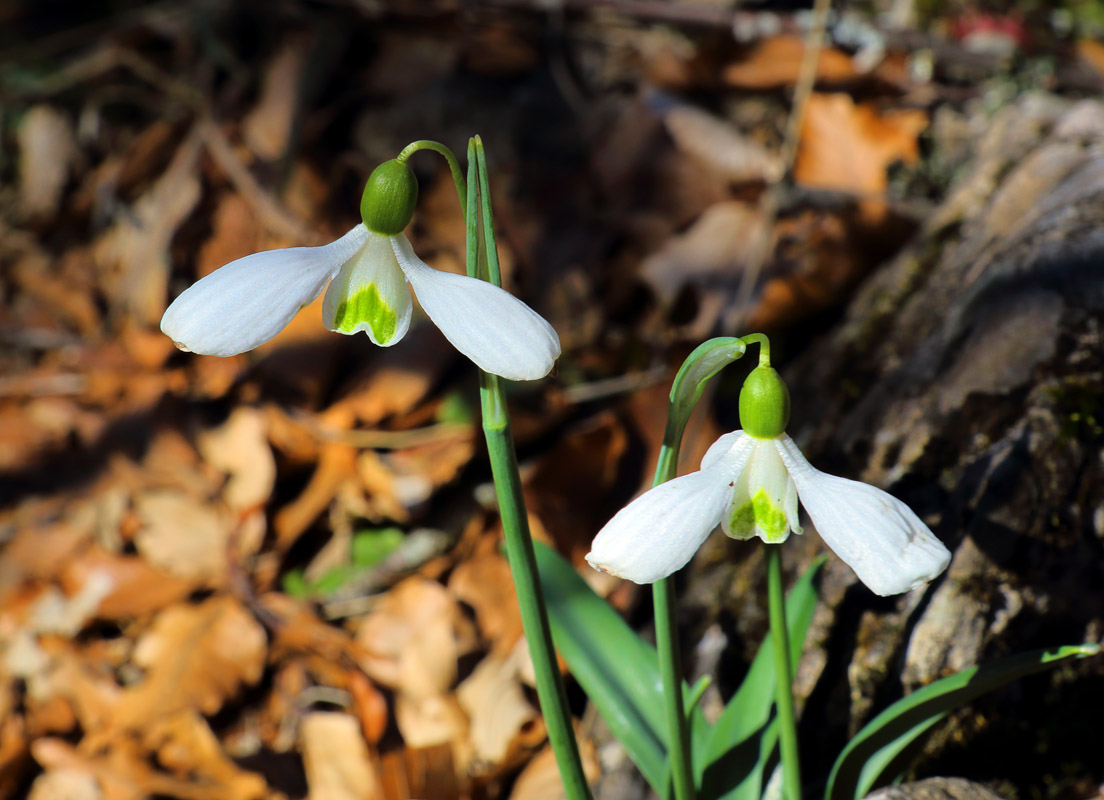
x=759 y=512
x=367 y=306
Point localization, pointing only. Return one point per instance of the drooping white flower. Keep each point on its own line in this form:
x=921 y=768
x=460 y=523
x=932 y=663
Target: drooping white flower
x=249 y=301
x=750 y=485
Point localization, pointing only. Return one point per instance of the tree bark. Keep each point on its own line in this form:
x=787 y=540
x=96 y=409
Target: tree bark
x=966 y=378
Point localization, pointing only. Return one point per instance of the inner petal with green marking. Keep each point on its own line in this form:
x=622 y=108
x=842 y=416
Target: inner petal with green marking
x=764 y=500
x=759 y=516
x=367 y=306
x=370 y=294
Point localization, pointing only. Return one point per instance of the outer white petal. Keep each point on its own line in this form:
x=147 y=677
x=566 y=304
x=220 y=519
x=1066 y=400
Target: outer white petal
x=656 y=534
x=370 y=294
x=489 y=325
x=732 y=445
x=878 y=536
x=247 y=302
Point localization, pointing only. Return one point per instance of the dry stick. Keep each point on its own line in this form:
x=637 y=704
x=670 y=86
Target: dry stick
x=762 y=244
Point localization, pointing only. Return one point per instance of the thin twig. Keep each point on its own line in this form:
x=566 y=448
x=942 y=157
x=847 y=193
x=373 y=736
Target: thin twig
x=762 y=245
x=274 y=219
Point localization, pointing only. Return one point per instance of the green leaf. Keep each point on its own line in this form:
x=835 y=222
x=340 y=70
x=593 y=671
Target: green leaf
x=742 y=741
x=373 y=545
x=615 y=667
x=456 y=410
x=864 y=762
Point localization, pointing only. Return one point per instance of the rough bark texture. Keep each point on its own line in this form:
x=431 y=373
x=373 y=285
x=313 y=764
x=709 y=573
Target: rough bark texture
x=936 y=789
x=966 y=378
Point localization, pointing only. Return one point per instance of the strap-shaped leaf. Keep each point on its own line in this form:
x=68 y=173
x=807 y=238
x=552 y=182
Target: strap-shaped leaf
x=616 y=668
x=863 y=764
x=741 y=743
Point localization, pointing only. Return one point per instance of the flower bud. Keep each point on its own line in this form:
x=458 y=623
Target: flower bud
x=389 y=197
x=764 y=404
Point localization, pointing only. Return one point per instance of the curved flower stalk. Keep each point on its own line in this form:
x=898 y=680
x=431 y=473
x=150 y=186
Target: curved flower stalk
x=749 y=483
x=249 y=301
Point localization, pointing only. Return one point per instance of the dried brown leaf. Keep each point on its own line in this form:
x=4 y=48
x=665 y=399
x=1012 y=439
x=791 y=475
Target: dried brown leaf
x=181 y=536
x=267 y=128
x=336 y=466
x=67 y=783
x=47 y=147
x=336 y=759
x=486 y=584
x=719 y=144
x=195 y=656
x=848 y=147
x=494 y=701
x=133 y=256
x=776 y=62
x=412 y=641
x=239 y=447
x=137 y=587
x=186 y=747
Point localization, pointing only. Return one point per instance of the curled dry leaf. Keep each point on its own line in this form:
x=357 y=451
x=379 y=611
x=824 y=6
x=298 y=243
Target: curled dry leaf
x=186 y=747
x=486 y=584
x=133 y=256
x=336 y=466
x=429 y=720
x=493 y=699
x=67 y=783
x=540 y=780
x=47 y=148
x=720 y=145
x=711 y=255
x=412 y=643
x=413 y=640
x=195 y=656
x=123 y=771
x=848 y=147
x=136 y=587
x=239 y=447
x=336 y=759
x=182 y=536
x=267 y=128
x=776 y=62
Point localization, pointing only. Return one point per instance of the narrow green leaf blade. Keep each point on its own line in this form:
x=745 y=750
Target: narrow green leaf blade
x=743 y=738
x=615 y=667
x=862 y=764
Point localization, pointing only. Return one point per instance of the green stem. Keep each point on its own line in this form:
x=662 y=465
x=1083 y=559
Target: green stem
x=791 y=768
x=667 y=643
x=511 y=506
x=764 y=346
x=449 y=156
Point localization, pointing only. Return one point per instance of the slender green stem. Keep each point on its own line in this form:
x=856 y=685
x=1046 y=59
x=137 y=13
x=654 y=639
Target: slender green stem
x=667 y=643
x=449 y=156
x=511 y=506
x=791 y=768
x=764 y=346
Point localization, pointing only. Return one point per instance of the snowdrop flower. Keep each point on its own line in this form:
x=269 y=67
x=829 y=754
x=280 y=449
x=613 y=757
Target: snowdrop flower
x=249 y=301
x=750 y=482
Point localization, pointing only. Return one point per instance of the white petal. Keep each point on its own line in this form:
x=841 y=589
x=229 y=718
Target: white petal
x=247 y=302
x=489 y=325
x=658 y=532
x=370 y=294
x=878 y=536
x=733 y=445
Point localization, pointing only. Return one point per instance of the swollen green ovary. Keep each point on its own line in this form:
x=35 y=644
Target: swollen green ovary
x=367 y=306
x=759 y=512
